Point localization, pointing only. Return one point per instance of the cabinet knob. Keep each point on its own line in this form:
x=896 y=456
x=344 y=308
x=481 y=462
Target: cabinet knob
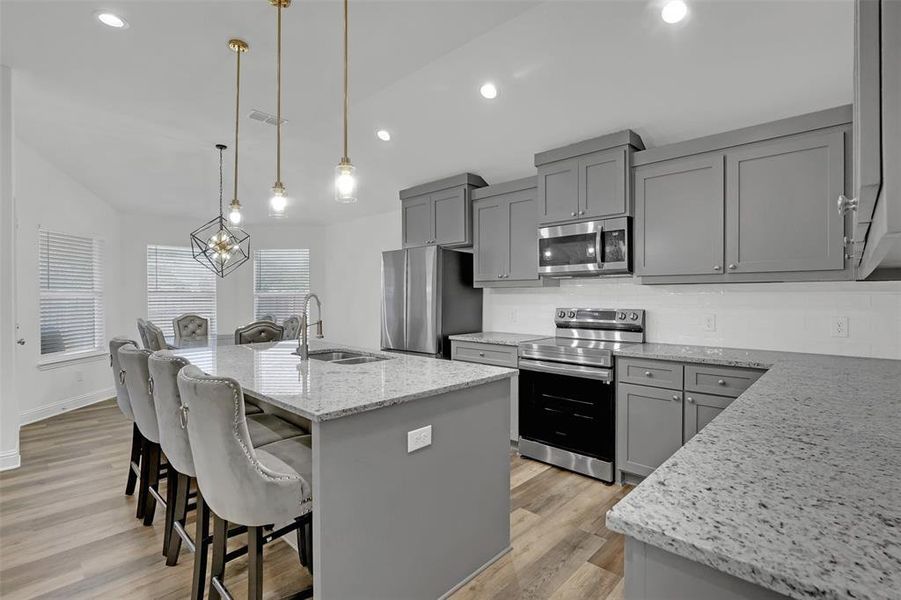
x=732 y=267
x=717 y=267
x=581 y=212
x=690 y=400
x=845 y=205
x=481 y=354
x=499 y=276
x=720 y=382
x=675 y=396
x=648 y=374
x=506 y=275
x=572 y=214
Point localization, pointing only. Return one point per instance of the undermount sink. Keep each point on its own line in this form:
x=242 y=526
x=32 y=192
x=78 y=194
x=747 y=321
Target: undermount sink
x=345 y=357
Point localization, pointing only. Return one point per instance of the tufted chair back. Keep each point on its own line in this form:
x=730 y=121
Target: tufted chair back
x=292 y=328
x=236 y=484
x=191 y=327
x=259 y=331
x=155 y=338
x=118 y=378
x=137 y=379
x=164 y=367
x=267 y=318
x=142 y=331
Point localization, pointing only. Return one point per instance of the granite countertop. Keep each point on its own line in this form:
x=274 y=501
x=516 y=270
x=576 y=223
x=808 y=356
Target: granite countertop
x=321 y=391
x=795 y=487
x=500 y=338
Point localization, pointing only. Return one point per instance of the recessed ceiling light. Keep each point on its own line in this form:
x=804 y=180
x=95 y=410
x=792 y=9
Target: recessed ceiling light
x=488 y=90
x=674 y=11
x=384 y=135
x=111 y=20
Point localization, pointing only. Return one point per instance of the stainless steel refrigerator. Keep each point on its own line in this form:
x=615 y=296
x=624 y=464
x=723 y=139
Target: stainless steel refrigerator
x=427 y=295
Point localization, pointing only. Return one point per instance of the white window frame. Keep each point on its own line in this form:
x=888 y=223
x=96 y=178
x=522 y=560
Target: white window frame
x=293 y=296
x=165 y=322
x=51 y=359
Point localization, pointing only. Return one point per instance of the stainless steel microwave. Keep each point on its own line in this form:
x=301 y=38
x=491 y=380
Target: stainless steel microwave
x=585 y=249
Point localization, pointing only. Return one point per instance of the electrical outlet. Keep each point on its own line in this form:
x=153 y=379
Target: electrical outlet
x=514 y=315
x=840 y=326
x=79 y=376
x=709 y=322
x=419 y=438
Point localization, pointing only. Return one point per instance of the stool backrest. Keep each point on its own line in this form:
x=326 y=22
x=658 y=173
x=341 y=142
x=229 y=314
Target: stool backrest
x=164 y=367
x=137 y=379
x=292 y=328
x=259 y=331
x=118 y=377
x=236 y=485
x=155 y=338
x=190 y=326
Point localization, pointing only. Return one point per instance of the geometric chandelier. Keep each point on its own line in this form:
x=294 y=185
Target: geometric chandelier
x=215 y=245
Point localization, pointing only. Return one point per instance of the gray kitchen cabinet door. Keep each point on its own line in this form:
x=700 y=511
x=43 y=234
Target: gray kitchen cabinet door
x=522 y=236
x=648 y=427
x=867 y=122
x=781 y=204
x=417 y=221
x=679 y=216
x=451 y=217
x=701 y=409
x=490 y=228
x=602 y=184
x=558 y=191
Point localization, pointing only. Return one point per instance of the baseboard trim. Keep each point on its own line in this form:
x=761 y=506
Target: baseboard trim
x=10 y=460
x=475 y=573
x=43 y=412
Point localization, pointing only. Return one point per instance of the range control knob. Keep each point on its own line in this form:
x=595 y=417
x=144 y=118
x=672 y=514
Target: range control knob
x=561 y=314
x=634 y=316
x=621 y=315
x=572 y=315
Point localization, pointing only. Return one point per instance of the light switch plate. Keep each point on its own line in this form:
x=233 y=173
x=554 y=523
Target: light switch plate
x=708 y=322
x=419 y=438
x=840 y=326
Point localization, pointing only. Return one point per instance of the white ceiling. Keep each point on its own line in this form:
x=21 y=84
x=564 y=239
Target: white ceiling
x=133 y=114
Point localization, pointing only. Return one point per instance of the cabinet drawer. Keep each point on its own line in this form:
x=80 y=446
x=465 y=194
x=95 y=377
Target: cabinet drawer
x=489 y=354
x=722 y=381
x=656 y=373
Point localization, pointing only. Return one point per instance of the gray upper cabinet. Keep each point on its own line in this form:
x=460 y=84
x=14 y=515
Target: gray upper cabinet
x=505 y=244
x=440 y=212
x=589 y=179
x=649 y=427
x=679 y=216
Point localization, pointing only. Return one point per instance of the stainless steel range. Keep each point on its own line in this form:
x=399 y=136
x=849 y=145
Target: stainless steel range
x=567 y=400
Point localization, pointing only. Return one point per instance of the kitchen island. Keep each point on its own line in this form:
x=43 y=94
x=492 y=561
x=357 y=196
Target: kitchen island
x=792 y=492
x=388 y=523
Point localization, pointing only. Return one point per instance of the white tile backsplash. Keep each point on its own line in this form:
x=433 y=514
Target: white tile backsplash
x=774 y=316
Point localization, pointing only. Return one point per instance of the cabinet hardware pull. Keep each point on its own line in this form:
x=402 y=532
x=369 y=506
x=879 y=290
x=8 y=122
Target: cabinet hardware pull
x=675 y=396
x=846 y=205
x=581 y=212
x=572 y=214
x=720 y=382
x=648 y=374
x=716 y=267
x=481 y=354
x=732 y=267
x=690 y=400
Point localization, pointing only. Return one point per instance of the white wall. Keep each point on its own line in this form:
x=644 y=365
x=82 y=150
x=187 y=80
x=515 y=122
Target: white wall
x=46 y=197
x=776 y=316
x=352 y=297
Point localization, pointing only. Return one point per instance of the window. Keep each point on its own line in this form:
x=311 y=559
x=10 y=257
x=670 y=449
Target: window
x=281 y=280
x=71 y=293
x=178 y=284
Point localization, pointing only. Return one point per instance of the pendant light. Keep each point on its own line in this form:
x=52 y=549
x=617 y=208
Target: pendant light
x=215 y=245
x=278 y=201
x=239 y=47
x=345 y=180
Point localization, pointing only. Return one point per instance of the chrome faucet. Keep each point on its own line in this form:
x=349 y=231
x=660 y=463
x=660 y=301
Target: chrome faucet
x=303 y=347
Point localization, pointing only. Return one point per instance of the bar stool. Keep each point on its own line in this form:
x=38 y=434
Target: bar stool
x=125 y=406
x=251 y=487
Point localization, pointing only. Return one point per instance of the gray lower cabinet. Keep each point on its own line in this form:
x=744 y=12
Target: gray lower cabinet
x=499 y=356
x=649 y=427
x=701 y=409
x=439 y=213
x=679 y=217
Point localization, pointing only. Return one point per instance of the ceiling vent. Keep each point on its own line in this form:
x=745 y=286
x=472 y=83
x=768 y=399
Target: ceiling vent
x=264 y=117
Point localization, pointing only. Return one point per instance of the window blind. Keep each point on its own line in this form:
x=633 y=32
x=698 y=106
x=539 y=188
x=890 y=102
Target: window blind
x=71 y=293
x=178 y=284
x=281 y=280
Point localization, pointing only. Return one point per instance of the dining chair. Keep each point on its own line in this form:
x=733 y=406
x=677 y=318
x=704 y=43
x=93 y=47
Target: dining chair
x=242 y=485
x=292 y=327
x=155 y=338
x=267 y=317
x=259 y=331
x=142 y=332
x=124 y=403
x=190 y=326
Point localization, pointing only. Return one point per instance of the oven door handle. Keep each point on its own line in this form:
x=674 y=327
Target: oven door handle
x=605 y=375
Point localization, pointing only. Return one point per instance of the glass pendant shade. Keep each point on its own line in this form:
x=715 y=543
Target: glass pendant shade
x=234 y=213
x=278 y=202
x=345 y=183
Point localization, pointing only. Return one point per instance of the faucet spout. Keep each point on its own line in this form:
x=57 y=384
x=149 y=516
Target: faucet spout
x=303 y=346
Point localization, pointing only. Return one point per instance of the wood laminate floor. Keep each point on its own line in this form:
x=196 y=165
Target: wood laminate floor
x=68 y=531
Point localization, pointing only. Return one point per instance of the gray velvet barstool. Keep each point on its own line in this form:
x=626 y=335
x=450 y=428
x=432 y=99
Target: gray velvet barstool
x=243 y=485
x=259 y=332
x=124 y=403
x=190 y=326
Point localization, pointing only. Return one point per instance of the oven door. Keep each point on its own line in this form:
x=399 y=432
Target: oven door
x=567 y=416
x=569 y=250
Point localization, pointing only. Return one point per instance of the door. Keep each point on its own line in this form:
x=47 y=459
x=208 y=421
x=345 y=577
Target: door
x=649 y=427
x=522 y=236
x=558 y=191
x=394 y=272
x=679 y=217
x=417 y=221
x=701 y=409
x=490 y=228
x=602 y=184
x=421 y=300
x=781 y=205
x=449 y=212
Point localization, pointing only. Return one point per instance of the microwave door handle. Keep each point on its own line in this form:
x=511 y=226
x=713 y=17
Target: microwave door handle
x=598 y=247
